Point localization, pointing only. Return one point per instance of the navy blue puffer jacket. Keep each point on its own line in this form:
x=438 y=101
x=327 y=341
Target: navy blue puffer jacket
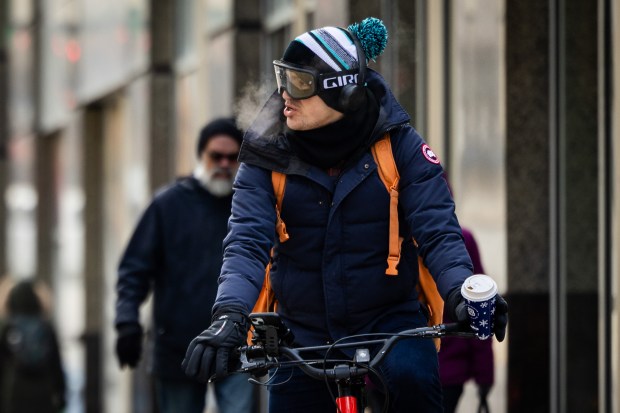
x=329 y=278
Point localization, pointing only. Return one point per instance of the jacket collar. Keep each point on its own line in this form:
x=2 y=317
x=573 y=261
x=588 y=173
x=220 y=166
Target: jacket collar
x=265 y=145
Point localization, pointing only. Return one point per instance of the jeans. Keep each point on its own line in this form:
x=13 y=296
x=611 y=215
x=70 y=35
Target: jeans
x=234 y=394
x=410 y=372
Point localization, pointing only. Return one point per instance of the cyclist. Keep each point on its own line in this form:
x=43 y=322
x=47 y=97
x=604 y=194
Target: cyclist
x=330 y=277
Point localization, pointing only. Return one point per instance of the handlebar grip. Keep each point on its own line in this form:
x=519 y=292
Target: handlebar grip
x=457 y=329
x=454 y=328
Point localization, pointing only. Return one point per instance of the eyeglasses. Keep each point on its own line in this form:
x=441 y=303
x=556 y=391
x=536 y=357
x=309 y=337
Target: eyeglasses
x=218 y=156
x=303 y=82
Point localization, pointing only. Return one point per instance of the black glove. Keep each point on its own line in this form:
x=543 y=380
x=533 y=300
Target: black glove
x=456 y=308
x=501 y=318
x=128 y=344
x=208 y=355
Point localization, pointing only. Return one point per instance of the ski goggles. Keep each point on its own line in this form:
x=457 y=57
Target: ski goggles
x=300 y=82
x=303 y=82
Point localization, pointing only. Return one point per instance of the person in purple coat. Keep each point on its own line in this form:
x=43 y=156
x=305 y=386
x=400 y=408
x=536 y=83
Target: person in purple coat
x=462 y=359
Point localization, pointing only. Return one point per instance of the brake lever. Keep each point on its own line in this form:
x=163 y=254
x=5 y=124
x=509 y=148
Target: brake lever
x=253 y=359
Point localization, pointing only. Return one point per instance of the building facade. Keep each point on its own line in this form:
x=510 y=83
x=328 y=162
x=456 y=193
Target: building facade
x=100 y=103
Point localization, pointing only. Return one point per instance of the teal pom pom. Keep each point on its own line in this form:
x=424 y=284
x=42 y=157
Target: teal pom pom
x=372 y=34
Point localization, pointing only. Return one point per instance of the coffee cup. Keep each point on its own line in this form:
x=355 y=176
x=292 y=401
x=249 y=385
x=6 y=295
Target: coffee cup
x=479 y=291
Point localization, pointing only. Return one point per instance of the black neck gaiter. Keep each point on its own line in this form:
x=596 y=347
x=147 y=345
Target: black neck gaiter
x=334 y=144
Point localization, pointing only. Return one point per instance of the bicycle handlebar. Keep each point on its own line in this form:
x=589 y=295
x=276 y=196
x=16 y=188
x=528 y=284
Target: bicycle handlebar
x=255 y=360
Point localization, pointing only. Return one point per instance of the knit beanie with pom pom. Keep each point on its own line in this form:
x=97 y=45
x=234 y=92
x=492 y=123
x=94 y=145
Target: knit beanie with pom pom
x=331 y=50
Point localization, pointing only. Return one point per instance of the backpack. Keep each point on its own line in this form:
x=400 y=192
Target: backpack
x=388 y=172
x=29 y=343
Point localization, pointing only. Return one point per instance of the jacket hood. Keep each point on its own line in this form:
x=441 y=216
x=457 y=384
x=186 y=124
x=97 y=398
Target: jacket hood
x=265 y=145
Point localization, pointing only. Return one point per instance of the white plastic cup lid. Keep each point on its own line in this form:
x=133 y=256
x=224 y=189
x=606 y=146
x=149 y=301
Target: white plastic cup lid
x=479 y=287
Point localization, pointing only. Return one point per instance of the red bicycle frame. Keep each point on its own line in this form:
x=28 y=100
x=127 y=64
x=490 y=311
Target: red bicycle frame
x=346 y=404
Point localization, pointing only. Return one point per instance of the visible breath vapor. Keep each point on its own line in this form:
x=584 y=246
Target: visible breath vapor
x=253 y=97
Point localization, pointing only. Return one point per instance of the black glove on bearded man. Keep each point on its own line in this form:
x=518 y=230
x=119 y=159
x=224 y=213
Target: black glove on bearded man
x=128 y=344
x=208 y=355
x=456 y=308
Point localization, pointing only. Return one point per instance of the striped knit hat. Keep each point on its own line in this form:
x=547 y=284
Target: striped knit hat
x=331 y=49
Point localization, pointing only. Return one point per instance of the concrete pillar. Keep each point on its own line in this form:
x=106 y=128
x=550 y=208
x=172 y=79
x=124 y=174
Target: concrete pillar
x=247 y=45
x=403 y=63
x=551 y=156
x=528 y=196
x=93 y=134
x=615 y=187
x=578 y=78
x=163 y=92
x=47 y=206
x=4 y=130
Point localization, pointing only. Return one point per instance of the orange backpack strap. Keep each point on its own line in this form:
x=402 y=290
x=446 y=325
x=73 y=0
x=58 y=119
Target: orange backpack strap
x=278 y=179
x=384 y=158
x=428 y=295
x=427 y=288
x=266 y=301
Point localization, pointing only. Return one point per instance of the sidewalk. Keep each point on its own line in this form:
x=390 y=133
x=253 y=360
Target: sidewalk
x=497 y=397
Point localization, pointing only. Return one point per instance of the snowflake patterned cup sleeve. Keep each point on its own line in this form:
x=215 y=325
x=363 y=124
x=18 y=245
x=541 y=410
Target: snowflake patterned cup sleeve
x=480 y=292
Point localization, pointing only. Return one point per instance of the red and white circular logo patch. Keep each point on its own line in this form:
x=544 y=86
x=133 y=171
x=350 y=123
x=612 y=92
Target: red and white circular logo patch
x=429 y=154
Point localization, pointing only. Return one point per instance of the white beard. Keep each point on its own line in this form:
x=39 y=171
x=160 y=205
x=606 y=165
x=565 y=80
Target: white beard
x=218 y=187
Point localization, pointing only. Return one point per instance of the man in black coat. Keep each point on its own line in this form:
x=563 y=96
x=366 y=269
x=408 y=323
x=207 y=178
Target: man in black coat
x=176 y=250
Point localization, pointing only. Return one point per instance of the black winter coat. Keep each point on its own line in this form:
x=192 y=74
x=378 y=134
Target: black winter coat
x=175 y=250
